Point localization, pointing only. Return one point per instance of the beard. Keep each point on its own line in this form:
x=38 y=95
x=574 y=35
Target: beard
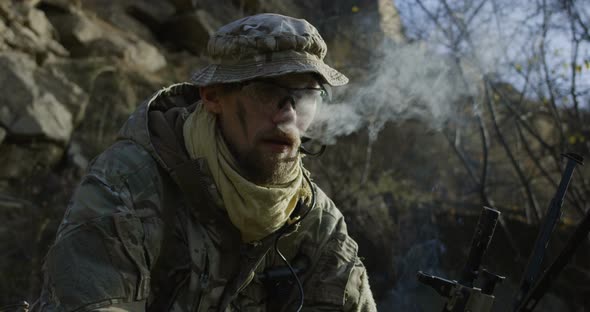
x=265 y=169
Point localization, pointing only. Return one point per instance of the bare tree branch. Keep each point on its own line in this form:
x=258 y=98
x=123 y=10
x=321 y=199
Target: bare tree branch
x=535 y=213
x=546 y=72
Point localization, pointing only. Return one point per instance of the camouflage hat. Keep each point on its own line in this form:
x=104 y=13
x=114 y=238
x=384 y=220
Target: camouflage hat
x=266 y=45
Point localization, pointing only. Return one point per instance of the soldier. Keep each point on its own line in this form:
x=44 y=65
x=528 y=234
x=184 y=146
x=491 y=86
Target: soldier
x=203 y=203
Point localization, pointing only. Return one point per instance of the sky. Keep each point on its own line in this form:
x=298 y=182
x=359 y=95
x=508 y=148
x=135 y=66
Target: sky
x=506 y=37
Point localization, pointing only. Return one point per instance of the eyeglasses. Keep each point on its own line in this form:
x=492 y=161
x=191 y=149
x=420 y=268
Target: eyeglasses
x=303 y=100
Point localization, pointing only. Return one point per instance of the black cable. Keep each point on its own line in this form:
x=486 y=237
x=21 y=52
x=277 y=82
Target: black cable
x=307 y=152
x=299 y=285
x=301 y=293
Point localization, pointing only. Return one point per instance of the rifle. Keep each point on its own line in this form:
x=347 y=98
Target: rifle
x=527 y=298
x=464 y=297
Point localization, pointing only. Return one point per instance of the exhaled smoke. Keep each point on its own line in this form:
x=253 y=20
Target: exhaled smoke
x=407 y=82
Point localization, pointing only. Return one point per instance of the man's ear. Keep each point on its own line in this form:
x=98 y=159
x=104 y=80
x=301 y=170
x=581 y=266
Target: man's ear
x=211 y=97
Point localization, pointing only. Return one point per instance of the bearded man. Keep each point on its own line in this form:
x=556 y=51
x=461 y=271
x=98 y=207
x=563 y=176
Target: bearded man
x=203 y=203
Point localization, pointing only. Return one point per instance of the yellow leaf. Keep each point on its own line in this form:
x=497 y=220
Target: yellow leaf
x=496 y=97
x=587 y=63
x=578 y=68
x=355 y=9
x=518 y=67
x=572 y=140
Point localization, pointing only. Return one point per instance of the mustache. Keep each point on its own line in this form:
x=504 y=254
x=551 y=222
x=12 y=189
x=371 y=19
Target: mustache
x=279 y=136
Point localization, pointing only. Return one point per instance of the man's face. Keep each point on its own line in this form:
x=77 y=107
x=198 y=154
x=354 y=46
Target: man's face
x=262 y=122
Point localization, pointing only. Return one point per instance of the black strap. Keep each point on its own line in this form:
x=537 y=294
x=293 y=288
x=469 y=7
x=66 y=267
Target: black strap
x=166 y=290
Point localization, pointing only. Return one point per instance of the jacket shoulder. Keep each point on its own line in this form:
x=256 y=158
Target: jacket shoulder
x=113 y=230
x=326 y=218
x=122 y=179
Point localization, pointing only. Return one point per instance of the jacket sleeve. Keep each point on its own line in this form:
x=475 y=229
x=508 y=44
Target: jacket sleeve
x=101 y=258
x=358 y=295
x=338 y=279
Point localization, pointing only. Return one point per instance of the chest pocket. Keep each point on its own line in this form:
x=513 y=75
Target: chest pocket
x=182 y=270
x=200 y=267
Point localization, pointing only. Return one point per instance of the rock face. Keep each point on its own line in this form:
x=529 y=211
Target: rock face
x=192 y=30
x=28 y=109
x=354 y=30
x=39 y=111
x=57 y=56
x=26 y=28
x=86 y=35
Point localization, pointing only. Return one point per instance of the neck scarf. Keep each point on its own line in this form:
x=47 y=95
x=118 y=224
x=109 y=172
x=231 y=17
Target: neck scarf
x=255 y=210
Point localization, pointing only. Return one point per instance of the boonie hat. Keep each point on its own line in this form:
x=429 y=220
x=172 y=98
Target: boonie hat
x=265 y=45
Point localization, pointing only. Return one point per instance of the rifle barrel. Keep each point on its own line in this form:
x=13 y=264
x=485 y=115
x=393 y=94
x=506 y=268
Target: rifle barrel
x=552 y=216
x=481 y=239
x=564 y=257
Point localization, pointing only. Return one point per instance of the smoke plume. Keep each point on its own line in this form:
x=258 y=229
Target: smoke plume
x=408 y=81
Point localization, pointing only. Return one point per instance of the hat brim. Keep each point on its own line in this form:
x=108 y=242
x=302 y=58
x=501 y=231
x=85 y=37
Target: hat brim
x=224 y=73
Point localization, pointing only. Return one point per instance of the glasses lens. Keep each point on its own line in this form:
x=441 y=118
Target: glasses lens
x=268 y=93
x=306 y=97
x=265 y=94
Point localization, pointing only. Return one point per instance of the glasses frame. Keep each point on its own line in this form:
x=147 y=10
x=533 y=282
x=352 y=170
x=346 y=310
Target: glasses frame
x=324 y=88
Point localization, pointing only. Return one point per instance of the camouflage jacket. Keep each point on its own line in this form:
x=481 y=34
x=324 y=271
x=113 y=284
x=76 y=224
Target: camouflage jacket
x=135 y=238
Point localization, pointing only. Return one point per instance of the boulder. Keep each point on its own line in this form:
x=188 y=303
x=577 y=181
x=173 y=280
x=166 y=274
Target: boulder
x=27 y=29
x=142 y=18
x=86 y=35
x=73 y=98
x=76 y=30
x=145 y=56
x=44 y=116
x=39 y=24
x=30 y=109
x=191 y=30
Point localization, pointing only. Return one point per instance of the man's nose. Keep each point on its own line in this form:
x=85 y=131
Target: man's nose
x=286 y=111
